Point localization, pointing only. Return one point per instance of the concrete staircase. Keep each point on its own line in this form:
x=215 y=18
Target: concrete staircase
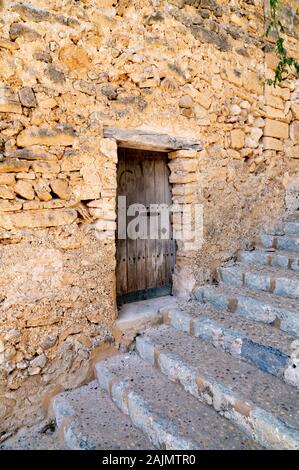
x=218 y=372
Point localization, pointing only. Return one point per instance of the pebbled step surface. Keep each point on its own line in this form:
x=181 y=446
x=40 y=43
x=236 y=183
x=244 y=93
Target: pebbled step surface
x=39 y=437
x=278 y=259
x=263 y=307
x=239 y=337
x=193 y=420
x=255 y=331
x=292 y=227
x=96 y=423
x=288 y=242
x=272 y=300
x=264 y=278
x=293 y=216
x=263 y=389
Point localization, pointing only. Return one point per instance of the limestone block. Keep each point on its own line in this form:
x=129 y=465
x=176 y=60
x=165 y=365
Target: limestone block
x=32 y=205
x=26 y=176
x=204 y=100
x=46 y=167
x=235 y=110
x=110 y=91
x=7 y=179
x=31 y=13
x=74 y=57
x=233 y=76
x=237 y=137
x=283 y=93
x=273 y=113
x=17 y=30
x=184 y=189
x=43 y=56
x=38 y=218
x=14 y=166
x=182 y=154
x=295 y=110
x=252 y=140
x=253 y=83
x=105 y=225
x=6 y=192
x=182 y=178
x=294 y=152
x=10 y=206
x=61 y=188
x=54 y=75
x=274 y=101
x=9 y=101
x=71 y=163
x=24 y=189
x=186 y=102
x=27 y=97
x=149 y=83
x=85 y=87
x=271 y=60
x=35 y=153
x=184 y=164
x=61 y=135
x=270 y=143
x=9 y=45
x=277 y=129
x=184 y=199
x=43 y=190
x=102 y=204
x=103 y=214
x=294 y=132
x=108 y=147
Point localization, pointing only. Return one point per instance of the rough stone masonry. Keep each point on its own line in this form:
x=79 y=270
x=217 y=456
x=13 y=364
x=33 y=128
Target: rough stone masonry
x=194 y=70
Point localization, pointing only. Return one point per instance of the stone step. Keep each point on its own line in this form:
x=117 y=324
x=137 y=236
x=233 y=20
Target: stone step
x=293 y=216
x=171 y=418
x=292 y=227
x=42 y=436
x=279 y=242
x=261 y=307
x=284 y=283
x=267 y=348
x=88 y=420
x=276 y=259
x=259 y=403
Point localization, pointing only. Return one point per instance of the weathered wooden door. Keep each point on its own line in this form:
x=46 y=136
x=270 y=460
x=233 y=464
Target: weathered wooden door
x=145 y=263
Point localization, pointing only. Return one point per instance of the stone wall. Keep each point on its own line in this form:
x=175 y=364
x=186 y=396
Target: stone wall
x=194 y=70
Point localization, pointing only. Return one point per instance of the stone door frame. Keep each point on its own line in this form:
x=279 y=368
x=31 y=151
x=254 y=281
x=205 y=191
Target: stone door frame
x=182 y=154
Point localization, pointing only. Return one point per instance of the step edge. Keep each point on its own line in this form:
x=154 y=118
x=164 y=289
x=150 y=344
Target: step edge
x=229 y=404
x=288 y=319
x=155 y=427
x=233 y=342
x=68 y=424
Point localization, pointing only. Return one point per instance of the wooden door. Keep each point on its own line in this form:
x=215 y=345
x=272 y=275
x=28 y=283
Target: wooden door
x=145 y=263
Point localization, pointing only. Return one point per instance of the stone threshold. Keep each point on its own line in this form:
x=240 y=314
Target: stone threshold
x=136 y=317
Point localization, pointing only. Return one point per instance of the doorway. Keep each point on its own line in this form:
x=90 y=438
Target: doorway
x=146 y=260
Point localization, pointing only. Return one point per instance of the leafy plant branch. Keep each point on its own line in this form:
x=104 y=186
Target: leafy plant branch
x=286 y=63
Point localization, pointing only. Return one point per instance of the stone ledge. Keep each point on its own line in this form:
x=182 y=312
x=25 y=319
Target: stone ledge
x=38 y=218
x=145 y=140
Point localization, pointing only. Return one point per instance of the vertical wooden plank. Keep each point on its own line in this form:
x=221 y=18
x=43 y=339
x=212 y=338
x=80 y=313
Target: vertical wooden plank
x=170 y=243
x=131 y=177
x=149 y=188
x=160 y=199
x=141 y=242
x=121 y=245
